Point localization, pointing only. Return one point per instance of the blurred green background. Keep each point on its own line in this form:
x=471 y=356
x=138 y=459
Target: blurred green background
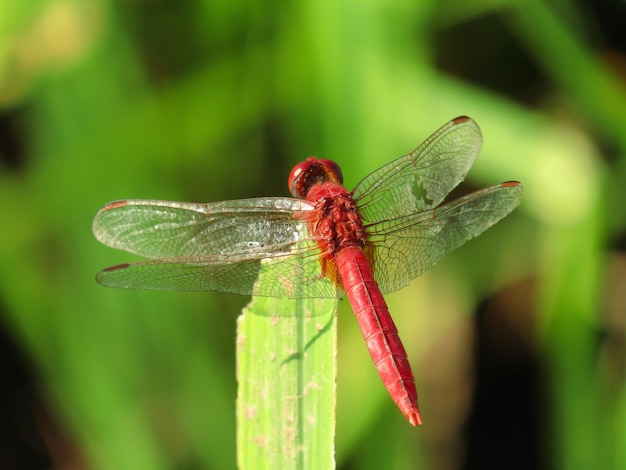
x=517 y=340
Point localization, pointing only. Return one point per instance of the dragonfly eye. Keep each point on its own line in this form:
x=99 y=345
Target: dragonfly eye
x=310 y=172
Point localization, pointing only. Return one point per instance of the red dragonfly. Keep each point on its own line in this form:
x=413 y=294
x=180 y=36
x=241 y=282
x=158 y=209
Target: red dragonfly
x=367 y=242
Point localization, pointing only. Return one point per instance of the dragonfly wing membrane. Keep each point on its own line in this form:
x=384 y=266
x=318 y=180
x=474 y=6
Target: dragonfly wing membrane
x=249 y=246
x=405 y=248
x=422 y=179
x=294 y=275
x=164 y=229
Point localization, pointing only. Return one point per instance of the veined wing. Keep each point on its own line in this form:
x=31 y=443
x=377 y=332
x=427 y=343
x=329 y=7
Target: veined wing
x=165 y=229
x=422 y=179
x=294 y=275
x=220 y=246
x=402 y=249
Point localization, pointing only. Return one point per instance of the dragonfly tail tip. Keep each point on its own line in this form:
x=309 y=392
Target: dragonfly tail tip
x=414 y=418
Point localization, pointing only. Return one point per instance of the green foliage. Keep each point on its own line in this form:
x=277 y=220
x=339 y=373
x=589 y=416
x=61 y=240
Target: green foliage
x=205 y=101
x=286 y=372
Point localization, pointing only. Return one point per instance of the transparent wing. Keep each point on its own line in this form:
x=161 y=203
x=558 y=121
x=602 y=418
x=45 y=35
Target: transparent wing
x=422 y=179
x=297 y=275
x=219 y=246
x=403 y=248
x=166 y=229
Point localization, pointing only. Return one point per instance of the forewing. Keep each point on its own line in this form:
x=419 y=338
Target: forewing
x=245 y=228
x=403 y=248
x=422 y=179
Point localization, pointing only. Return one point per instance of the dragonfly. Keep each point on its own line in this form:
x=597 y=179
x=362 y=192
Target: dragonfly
x=324 y=242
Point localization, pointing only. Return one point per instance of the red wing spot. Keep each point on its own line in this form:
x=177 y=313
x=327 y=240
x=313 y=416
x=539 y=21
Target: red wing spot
x=510 y=184
x=460 y=120
x=114 y=205
x=116 y=267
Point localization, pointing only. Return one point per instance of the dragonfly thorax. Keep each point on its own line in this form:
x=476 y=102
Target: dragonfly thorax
x=336 y=222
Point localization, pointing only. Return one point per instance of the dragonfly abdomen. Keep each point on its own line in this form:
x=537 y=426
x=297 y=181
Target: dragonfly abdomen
x=379 y=330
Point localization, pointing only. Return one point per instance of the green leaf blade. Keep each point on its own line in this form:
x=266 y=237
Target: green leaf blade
x=286 y=370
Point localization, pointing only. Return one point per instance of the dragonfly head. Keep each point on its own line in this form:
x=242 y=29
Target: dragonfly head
x=310 y=172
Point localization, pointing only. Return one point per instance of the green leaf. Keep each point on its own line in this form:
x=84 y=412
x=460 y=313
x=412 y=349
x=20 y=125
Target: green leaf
x=286 y=370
